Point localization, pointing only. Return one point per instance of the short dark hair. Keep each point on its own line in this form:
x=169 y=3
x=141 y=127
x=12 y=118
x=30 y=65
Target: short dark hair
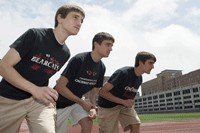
x=65 y=10
x=143 y=57
x=100 y=37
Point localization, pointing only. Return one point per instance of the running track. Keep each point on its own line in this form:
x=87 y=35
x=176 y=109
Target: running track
x=192 y=126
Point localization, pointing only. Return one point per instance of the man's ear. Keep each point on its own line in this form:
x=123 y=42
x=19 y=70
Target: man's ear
x=59 y=18
x=96 y=44
x=140 y=62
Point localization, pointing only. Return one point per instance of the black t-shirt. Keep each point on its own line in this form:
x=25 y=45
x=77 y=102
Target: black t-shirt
x=41 y=57
x=125 y=83
x=83 y=74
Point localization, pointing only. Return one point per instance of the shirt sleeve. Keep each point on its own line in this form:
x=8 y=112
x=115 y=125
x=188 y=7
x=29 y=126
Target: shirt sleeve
x=117 y=78
x=72 y=68
x=24 y=43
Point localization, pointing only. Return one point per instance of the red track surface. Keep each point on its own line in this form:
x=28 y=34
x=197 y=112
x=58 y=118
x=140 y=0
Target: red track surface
x=160 y=127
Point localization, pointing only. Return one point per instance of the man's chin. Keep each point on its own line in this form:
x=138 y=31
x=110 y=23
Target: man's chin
x=74 y=33
x=148 y=72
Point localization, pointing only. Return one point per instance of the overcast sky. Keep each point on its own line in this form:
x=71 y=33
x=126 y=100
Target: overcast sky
x=170 y=29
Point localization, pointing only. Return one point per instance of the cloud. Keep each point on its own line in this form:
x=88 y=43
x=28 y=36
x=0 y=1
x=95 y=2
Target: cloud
x=149 y=14
x=193 y=17
x=17 y=16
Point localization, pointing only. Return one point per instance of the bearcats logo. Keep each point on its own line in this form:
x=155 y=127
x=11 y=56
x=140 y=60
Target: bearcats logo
x=50 y=63
x=91 y=73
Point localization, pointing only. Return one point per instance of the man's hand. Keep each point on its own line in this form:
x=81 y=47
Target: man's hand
x=45 y=95
x=92 y=113
x=128 y=103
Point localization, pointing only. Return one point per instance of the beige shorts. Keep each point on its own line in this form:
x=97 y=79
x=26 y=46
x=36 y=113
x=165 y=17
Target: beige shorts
x=109 y=118
x=40 y=118
x=75 y=112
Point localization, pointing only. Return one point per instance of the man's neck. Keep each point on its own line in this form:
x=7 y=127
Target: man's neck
x=138 y=71
x=60 y=35
x=95 y=56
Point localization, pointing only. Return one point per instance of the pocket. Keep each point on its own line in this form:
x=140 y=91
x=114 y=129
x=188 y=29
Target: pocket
x=4 y=100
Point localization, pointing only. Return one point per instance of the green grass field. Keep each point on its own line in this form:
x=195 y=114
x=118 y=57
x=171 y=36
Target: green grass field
x=170 y=117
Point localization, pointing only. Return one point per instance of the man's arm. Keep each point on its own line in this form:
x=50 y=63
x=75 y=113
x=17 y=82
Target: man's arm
x=105 y=93
x=92 y=97
x=62 y=89
x=8 y=72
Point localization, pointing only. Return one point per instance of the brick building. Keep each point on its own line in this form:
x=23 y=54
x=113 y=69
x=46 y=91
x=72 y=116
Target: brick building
x=170 y=91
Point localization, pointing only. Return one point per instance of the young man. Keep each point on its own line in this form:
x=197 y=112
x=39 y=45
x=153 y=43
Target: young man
x=116 y=97
x=26 y=68
x=84 y=73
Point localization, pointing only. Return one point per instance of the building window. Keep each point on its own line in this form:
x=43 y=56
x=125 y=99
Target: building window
x=187 y=102
x=177 y=98
x=168 y=94
x=176 y=93
x=162 y=105
x=155 y=97
x=162 y=101
x=169 y=103
x=197 y=106
x=186 y=91
x=187 y=97
x=197 y=101
x=188 y=107
x=144 y=99
x=149 y=98
x=195 y=89
x=161 y=96
x=169 y=99
x=195 y=96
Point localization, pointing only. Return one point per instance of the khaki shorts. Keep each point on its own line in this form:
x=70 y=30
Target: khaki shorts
x=75 y=112
x=40 y=118
x=109 y=117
